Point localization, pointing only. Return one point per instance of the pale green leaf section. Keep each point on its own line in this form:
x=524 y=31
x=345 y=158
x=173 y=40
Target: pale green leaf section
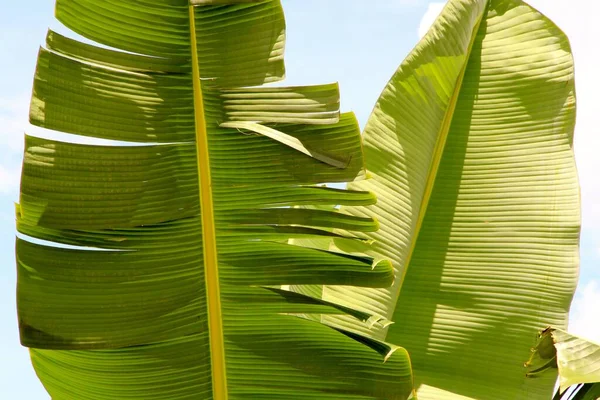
x=496 y=257
x=115 y=306
x=577 y=359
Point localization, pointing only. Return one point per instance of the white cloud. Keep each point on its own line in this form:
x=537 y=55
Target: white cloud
x=433 y=10
x=584 y=319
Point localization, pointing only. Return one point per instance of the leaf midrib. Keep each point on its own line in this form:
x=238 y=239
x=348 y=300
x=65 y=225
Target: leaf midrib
x=440 y=145
x=211 y=270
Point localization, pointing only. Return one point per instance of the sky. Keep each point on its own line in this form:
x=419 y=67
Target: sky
x=355 y=42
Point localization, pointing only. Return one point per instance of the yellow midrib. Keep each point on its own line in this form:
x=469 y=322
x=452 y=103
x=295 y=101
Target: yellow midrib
x=439 y=148
x=211 y=269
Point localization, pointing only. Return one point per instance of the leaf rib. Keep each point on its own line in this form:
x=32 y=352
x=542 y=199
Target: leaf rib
x=211 y=269
x=439 y=147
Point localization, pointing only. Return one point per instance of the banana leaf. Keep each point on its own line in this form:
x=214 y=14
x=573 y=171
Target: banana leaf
x=151 y=267
x=470 y=153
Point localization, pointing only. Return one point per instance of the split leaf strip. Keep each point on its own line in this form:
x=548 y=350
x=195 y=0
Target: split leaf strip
x=289 y=141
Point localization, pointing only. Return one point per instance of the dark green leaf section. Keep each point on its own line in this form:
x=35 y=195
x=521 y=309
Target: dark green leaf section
x=177 y=369
x=108 y=299
x=67 y=185
x=118 y=298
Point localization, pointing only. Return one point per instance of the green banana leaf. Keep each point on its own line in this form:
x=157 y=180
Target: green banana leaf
x=577 y=359
x=150 y=269
x=470 y=153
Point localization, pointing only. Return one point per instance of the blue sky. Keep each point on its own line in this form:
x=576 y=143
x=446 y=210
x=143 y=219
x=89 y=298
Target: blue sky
x=355 y=42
